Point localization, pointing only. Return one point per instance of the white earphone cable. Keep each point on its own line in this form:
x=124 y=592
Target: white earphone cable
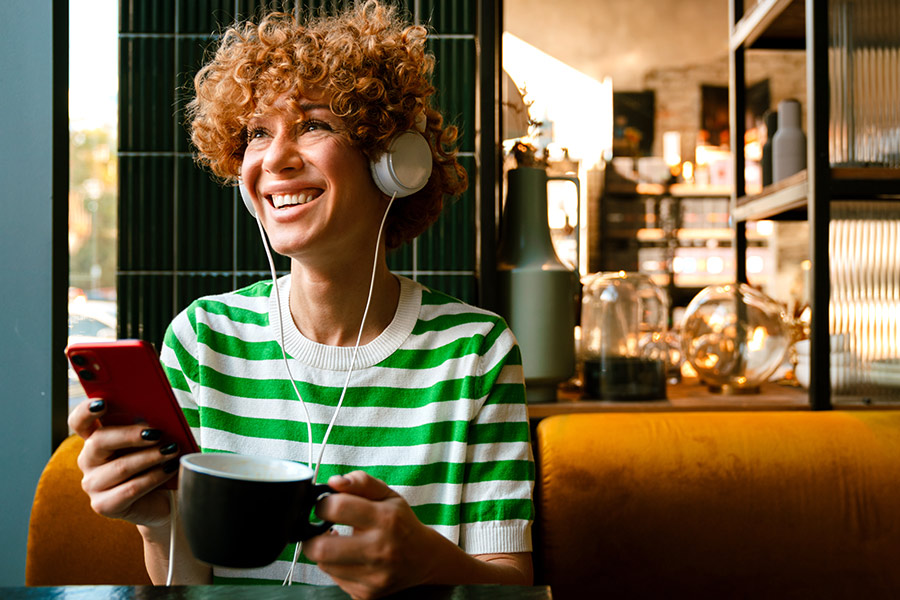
x=358 y=336
x=172 y=526
x=289 y=578
x=287 y=367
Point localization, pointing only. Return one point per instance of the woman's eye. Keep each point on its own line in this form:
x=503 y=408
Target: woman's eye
x=313 y=125
x=255 y=133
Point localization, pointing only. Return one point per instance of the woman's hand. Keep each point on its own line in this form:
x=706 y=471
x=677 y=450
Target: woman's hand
x=390 y=549
x=123 y=467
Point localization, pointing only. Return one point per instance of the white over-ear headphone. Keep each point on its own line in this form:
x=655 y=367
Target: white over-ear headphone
x=405 y=167
x=245 y=196
x=402 y=170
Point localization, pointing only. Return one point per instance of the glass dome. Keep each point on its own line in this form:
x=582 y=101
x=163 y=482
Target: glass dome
x=735 y=337
x=623 y=325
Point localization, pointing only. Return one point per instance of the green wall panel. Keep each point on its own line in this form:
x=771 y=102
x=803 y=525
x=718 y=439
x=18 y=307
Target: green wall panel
x=204 y=221
x=146 y=16
x=182 y=234
x=450 y=16
x=191 y=54
x=454 y=77
x=191 y=286
x=146 y=232
x=146 y=94
x=145 y=305
x=401 y=259
x=449 y=244
x=204 y=16
x=458 y=286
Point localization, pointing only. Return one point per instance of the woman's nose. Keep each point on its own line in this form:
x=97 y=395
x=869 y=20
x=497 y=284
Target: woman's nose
x=282 y=154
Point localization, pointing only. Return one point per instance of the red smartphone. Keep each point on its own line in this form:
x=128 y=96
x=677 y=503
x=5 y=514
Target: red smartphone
x=128 y=376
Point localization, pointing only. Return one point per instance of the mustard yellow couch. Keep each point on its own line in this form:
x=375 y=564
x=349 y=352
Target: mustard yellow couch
x=70 y=544
x=787 y=504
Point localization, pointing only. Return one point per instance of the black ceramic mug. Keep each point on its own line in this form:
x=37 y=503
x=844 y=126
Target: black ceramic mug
x=241 y=511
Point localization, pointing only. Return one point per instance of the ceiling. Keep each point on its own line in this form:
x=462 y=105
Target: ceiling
x=622 y=39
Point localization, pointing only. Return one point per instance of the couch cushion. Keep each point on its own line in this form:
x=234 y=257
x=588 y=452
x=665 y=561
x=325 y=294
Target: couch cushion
x=725 y=503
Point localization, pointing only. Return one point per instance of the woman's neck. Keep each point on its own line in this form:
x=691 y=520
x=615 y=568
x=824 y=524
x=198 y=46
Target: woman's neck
x=328 y=307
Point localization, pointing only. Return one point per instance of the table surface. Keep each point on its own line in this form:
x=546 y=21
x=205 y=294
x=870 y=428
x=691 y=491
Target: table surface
x=227 y=592
x=685 y=396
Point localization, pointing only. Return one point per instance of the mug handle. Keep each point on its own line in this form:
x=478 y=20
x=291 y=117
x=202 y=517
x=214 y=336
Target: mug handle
x=306 y=529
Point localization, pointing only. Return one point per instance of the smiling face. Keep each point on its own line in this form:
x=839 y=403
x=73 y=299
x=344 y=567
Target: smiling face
x=311 y=186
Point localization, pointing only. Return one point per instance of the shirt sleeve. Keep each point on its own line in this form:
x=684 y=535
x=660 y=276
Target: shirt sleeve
x=180 y=363
x=497 y=508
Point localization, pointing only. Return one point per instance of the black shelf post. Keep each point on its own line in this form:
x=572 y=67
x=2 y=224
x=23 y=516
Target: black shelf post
x=737 y=107
x=818 y=177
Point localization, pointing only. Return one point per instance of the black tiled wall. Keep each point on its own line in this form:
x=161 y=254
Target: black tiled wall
x=182 y=235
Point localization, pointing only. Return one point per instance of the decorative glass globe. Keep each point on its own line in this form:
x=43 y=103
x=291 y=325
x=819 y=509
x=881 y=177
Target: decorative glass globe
x=735 y=337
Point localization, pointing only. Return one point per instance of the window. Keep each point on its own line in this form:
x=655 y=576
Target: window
x=93 y=177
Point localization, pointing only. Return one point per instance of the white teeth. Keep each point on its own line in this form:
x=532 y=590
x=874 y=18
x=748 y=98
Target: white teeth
x=280 y=200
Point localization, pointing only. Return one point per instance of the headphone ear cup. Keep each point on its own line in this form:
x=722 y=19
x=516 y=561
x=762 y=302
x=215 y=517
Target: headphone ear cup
x=406 y=166
x=245 y=196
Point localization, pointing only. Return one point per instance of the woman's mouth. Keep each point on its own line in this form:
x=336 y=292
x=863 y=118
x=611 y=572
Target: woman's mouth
x=282 y=200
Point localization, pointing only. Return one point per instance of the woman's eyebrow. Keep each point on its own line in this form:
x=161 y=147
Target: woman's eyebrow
x=308 y=107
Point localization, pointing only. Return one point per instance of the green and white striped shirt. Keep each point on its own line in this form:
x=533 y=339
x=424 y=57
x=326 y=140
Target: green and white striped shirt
x=435 y=408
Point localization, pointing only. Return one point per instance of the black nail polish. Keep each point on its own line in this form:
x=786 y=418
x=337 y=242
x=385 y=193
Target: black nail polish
x=170 y=467
x=96 y=406
x=151 y=435
x=169 y=448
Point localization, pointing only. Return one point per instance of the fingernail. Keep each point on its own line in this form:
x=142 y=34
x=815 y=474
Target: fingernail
x=169 y=448
x=170 y=467
x=96 y=406
x=151 y=435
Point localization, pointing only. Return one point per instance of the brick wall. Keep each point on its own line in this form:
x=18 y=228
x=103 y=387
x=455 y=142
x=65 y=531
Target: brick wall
x=678 y=90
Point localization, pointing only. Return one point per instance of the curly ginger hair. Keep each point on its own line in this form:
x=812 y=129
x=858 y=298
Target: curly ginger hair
x=370 y=64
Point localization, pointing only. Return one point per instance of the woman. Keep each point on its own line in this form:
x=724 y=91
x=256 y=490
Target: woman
x=429 y=450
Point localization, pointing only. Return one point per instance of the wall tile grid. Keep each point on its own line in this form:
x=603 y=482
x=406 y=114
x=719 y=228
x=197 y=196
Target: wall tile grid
x=183 y=235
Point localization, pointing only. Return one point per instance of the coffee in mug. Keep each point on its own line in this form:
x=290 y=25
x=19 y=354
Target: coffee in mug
x=241 y=511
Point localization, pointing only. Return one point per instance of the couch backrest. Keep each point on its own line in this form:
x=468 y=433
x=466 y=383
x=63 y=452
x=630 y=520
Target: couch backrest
x=70 y=544
x=748 y=504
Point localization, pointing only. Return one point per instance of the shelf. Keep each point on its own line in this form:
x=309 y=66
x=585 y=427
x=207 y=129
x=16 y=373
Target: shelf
x=626 y=187
x=698 y=234
x=804 y=25
x=687 y=396
x=772 y=24
x=676 y=190
x=788 y=197
x=689 y=234
x=689 y=190
x=864 y=182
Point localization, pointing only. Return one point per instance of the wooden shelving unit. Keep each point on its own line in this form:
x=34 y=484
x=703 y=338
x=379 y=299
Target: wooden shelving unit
x=770 y=24
x=801 y=25
x=787 y=198
x=626 y=232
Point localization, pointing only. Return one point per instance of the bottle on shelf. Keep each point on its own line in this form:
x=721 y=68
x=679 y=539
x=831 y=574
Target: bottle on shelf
x=789 y=142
